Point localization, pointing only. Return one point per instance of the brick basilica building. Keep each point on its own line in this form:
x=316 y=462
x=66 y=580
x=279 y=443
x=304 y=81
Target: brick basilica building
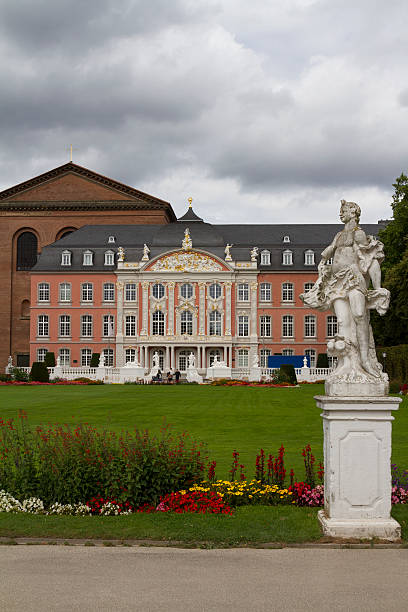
x=226 y=291
x=44 y=209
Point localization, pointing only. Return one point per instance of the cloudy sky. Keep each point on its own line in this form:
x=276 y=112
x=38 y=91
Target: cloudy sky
x=261 y=110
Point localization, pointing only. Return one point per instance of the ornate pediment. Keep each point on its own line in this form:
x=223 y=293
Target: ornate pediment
x=182 y=261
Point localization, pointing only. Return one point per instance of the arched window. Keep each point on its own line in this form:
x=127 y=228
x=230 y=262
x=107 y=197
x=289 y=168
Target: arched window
x=186 y=291
x=265 y=258
x=287 y=326
x=158 y=323
x=287 y=292
x=182 y=360
x=108 y=292
x=264 y=354
x=65 y=292
x=331 y=326
x=109 y=258
x=312 y=354
x=286 y=239
x=186 y=323
x=130 y=355
x=27 y=247
x=215 y=323
x=243 y=358
x=25 y=309
x=265 y=293
x=108 y=354
x=158 y=291
x=215 y=291
x=86 y=356
x=309 y=258
x=287 y=258
x=310 y=326
x=43 y=292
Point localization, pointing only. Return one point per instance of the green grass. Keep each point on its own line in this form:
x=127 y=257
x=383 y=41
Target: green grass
x=245 y=419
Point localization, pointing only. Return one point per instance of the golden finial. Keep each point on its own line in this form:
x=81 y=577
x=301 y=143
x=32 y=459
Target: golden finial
x=189 y=202
x=71 y=149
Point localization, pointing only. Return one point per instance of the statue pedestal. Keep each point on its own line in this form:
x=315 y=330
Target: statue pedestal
x=219 y=372
x=193 y=375
x=357 y=464
x=131 y=373
x=153 y=373
x=255 y=374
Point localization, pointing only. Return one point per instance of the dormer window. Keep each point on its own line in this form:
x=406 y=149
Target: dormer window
x=66 y=258
x=88 y=258
x=309 y=258
x=286 y=239
x=111 y=240
x=265 y=258
x=287 y=258
x=109 y=258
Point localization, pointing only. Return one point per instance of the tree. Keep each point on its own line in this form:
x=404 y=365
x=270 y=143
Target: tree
x=49 y=360
x=39 y=372
x=392 y=328
x=94 y=360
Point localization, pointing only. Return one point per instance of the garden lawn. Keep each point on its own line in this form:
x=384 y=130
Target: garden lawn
x=241 y=418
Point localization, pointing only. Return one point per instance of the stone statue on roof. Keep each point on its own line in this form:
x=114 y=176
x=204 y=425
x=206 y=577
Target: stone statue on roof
x=227 y=252
x=344 y=287
x=146 y=252
x=121 y=254
x=187 y=243
x=254 y=253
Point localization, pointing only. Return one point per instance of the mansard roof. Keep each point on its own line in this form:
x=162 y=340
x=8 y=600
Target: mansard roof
x=210 y=238
x=35 y=194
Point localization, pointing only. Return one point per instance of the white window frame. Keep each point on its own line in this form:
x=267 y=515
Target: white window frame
x=215 y=291
x=265 y=292
x=243 y=326
x=309 y=258
x=41 y=353
x=130 y=355
x=130 y=325
x=109 y=258
x=87 y=259
x=108 y=290
x=265 y=258
x=66 y=258
x=43 y=292
x=312 y=354
x=158 y=289
x=215 y=323
x=65 y=289
x=263 y=357
x=243 y=292
x=108 y=326
x=109 y=356
x=111 y=240
x=86 y=356
x=64 y=326
x=288 y=352
x=242 y=358
x=265 y=326
x=158 y=323
x=308 y=287
x=287 y=326
x=310 y=326
x=43 y=326
x=86 y=291
x=187 y=291
x=288 y=292
x=65 y=356
x=287 y=258
x=186 y=323
x=130 y=290
x=86 y=326
x=286 y=239
x=331 y=326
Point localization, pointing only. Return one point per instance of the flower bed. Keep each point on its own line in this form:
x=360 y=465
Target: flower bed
x=244 y=383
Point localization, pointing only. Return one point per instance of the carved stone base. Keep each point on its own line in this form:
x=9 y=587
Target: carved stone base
x=354 y=389
x=384 y=529
x=193 y=376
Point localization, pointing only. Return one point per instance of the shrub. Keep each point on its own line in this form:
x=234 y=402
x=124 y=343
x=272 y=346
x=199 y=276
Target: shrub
x=19 y=375
x=395 y=386
x=49 y=360
x=94 y=360
x=39 y=372
x=5 y=377
x=322 y=361
x=288 y=371
x=396 y=361
x=62 y=464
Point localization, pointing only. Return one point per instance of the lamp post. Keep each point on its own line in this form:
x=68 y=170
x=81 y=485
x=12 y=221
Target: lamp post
x=384 y=355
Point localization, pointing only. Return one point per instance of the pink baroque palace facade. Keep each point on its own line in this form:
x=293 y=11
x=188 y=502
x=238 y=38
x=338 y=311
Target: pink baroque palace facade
x=230 y=291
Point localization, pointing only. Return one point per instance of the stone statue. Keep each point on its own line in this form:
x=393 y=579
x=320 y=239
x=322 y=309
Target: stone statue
x=254 y=253
x=344 y=287
x=58 y=361
x=187 y=243
x=10 y=362
x=227 y=252
x=121 y=254
x=305 y=362
x=255 y=361
x=215 y=363
x=191 y=360
x=101 y=363
x=156 y=360
x=146 y=252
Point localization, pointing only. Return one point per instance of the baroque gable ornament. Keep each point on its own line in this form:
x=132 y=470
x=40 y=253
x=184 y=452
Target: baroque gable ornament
x=186 y=262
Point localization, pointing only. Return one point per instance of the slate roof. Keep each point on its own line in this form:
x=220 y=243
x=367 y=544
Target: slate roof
x=211 y=238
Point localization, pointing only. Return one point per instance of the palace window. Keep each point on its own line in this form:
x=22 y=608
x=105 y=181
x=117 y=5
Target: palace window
x=287 y=258
x=265 y=258
x=108 y=292
x=287 y=292
x=158 y=291
x=86 y=356
x=332 y=326
x=182 y=360
x=158 y=323
x=243 y=292
x=186 y=322
x=41 y=353
x=111 y=240
x=215 y=291
x=43 y=292
x=108 y=355
x=108 y=327
x=42 y=325
x=243 y=325
x=287 y=326
x=65 y=356
x=332 y=359
x=286 y=239
x=265 y=326
x=309 y=258
x=130 y=292
x=27 y=247
x=287 y=352
x=65 y=325
x=312 y=355
x=214 y=353
x=263 y=357
x=130 y=355
x=109 y=258
x=86 y=292
x=88 y=258
x=310 y=326
x=243 y=358
x=265 y=292
x=66 y=258
x=215 y=323
x=65 y=292
x=86 y=326
x=130 y=325
x=186 y=291
x=308 y=287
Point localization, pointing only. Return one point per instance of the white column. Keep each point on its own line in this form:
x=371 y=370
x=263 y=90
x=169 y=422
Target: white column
x=202 y=309
x=120 y=359
x=145 y=309
x=357 y=467
x=228 y=286
x=170 y=318
x=173 y=362
x=167 y=359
